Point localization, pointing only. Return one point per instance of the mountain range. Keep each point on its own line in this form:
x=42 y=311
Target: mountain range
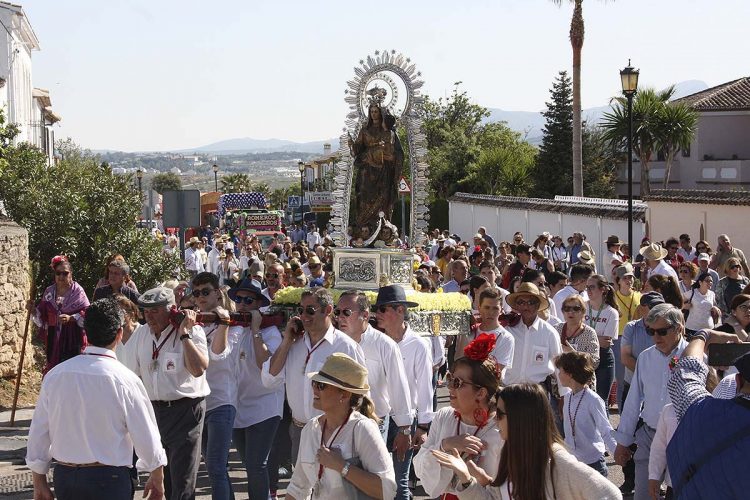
x=529 y=123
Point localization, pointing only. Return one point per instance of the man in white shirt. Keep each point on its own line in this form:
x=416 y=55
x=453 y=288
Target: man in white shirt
x=172 y=360
x=537 y=343
x=307 y=341
x=274 y=280
x=221 y=376
x=654 y=255
x=490 y=307
x=216 y=255
x=686 y=250
x=391 y=308
x=389 y=388
x=192 y=264
x=579 y=275
x=259 y=409
x=90 y=414
x=313 y=238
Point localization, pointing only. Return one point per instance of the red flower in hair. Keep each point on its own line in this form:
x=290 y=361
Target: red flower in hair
x=481 y=416
x=57 y=259
x=481 y=347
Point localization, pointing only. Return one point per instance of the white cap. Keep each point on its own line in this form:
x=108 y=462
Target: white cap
x=704 y=256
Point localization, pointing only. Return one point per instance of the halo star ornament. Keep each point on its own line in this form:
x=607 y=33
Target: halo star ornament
x=390 y=78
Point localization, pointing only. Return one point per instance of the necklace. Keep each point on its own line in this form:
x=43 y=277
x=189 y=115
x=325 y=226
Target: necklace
x=316 y=489
x=309 y=353
x=594 y=321
x=628 y=307
x=572 y=418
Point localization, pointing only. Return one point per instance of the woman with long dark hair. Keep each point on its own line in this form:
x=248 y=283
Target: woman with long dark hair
x=668 y=288
x=534 y=464
x=602 y=315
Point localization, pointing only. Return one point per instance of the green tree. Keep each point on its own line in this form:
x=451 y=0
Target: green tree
x=166 y=181
x=263 y=188
x=648 y=107
x=677 y=125
x=78 y=208
x=236 y=183
x=553 y=171
x=600 y=162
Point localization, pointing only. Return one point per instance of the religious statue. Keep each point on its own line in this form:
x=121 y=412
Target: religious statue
x=379 y=160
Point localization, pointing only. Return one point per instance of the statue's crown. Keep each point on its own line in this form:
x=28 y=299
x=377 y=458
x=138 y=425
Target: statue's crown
x=376 y=95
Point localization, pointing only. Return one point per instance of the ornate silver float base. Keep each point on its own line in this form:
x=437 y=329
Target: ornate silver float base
x=370 y=268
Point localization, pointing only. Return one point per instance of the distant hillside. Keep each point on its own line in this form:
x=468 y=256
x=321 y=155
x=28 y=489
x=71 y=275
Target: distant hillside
x=249 y=145
x=531 y=123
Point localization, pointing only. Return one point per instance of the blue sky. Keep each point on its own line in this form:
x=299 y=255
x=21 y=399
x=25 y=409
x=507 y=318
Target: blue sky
x=164 y=74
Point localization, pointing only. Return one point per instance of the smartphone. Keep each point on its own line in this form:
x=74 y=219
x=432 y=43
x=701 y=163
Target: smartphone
x=299 y=328
x=726 y=354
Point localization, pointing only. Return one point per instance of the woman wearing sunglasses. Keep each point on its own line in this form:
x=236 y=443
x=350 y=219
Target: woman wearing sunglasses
x=533 y=462
x=58 y=313
x=730 y=285
x=738 y=322
x=575 y=334
x=342 y=454
x=468 y=427
x=259 y=409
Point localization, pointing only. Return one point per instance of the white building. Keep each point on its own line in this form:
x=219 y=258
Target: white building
x=29 y=108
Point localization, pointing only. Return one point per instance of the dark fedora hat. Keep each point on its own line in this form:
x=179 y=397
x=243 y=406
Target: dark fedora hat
x=392 y=295
x=249 y=285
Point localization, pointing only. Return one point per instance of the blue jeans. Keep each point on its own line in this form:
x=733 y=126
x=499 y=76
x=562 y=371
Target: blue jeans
x=605 y=374
x=254 y=445
x=217 y=437
x=600 y=466
x=401 y=467
x=92 y=483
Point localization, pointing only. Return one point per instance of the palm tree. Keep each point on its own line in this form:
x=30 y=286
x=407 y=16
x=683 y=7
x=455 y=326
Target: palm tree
x=576 y=41
x=648 y=107
x=236 y=183
x=677 y=125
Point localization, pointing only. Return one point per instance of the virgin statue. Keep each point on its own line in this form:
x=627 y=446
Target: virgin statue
x=379 y=159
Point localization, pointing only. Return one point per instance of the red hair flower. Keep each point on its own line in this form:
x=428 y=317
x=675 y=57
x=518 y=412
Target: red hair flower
x=57 y=259
x=481 y=416
x=481 y=347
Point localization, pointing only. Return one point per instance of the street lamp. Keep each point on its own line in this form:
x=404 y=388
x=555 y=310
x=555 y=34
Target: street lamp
x=301 y=167
x=216 y=178
x=629 y=81
x=139 y=175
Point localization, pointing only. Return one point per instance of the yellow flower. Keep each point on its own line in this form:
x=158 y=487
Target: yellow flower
x=291 y=296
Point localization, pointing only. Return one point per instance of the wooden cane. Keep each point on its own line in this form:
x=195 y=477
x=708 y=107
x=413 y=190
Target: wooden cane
x=20 y=364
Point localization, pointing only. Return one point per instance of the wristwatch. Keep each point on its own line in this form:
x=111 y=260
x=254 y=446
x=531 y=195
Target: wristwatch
x=256 y=335
x=185 y=336
x=406 y=431
x=345 y=469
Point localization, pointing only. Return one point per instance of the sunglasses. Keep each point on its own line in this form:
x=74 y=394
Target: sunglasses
x=743 y=307
x=272 y=275
x=247 y=300
x=530 y=302
x=204 y=291
x=500 y=414
x=313 y=266
x=456 y=383
x=383 y=309
x=345 y=312
x=319 y=385
x=465 y=291
x=684 y=271
x=309 y=310
x=62 y=273
x=662 y=332
x=736 y=266
x=568 y=309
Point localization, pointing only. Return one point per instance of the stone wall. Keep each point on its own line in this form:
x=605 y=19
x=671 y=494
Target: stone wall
x=14 y=293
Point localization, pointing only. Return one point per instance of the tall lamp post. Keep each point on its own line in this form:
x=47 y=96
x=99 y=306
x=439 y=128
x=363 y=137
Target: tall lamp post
x=216 y=178
x=139 y=175
x=301 y=167
x=629 y=81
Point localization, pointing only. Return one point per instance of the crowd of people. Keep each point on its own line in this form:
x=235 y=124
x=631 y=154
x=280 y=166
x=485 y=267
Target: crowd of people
x=344 y=398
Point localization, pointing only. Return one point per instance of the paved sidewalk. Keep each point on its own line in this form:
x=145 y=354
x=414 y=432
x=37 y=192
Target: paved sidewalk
x=16 y=481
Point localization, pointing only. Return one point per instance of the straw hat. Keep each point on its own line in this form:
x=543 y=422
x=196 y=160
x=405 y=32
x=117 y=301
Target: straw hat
x=341 y=371
x=585 y=257
x=653 y=252
x=525 y=290
x=193 y=241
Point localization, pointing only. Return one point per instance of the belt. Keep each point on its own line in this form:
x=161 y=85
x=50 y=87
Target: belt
x=298 y=423
x=174 y=402
x=92 y=464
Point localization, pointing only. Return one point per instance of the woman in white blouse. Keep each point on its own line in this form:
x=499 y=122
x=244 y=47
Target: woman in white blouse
x=602 y=315
x=342 y=450
x=468 y=426
x=701 y=302
x=533 y=461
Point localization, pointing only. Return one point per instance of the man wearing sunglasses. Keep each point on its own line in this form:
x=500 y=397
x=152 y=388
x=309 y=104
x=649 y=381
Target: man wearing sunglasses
x=302 y=351
x=274 y=281
x=648 y=395
x=416 y=352
x=579 y=275
x=221 y=377
x=389 y=388
x=259 y=409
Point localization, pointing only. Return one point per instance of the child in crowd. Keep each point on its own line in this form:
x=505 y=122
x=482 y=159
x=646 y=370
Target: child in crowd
x=587 y=428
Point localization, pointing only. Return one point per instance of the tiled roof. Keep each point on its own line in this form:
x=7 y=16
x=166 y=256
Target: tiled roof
x=703 y=196
x=730 y=96
x=588 y=207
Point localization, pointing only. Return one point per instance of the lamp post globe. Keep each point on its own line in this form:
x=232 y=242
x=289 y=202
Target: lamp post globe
x=629 y=82
x=216 y=177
